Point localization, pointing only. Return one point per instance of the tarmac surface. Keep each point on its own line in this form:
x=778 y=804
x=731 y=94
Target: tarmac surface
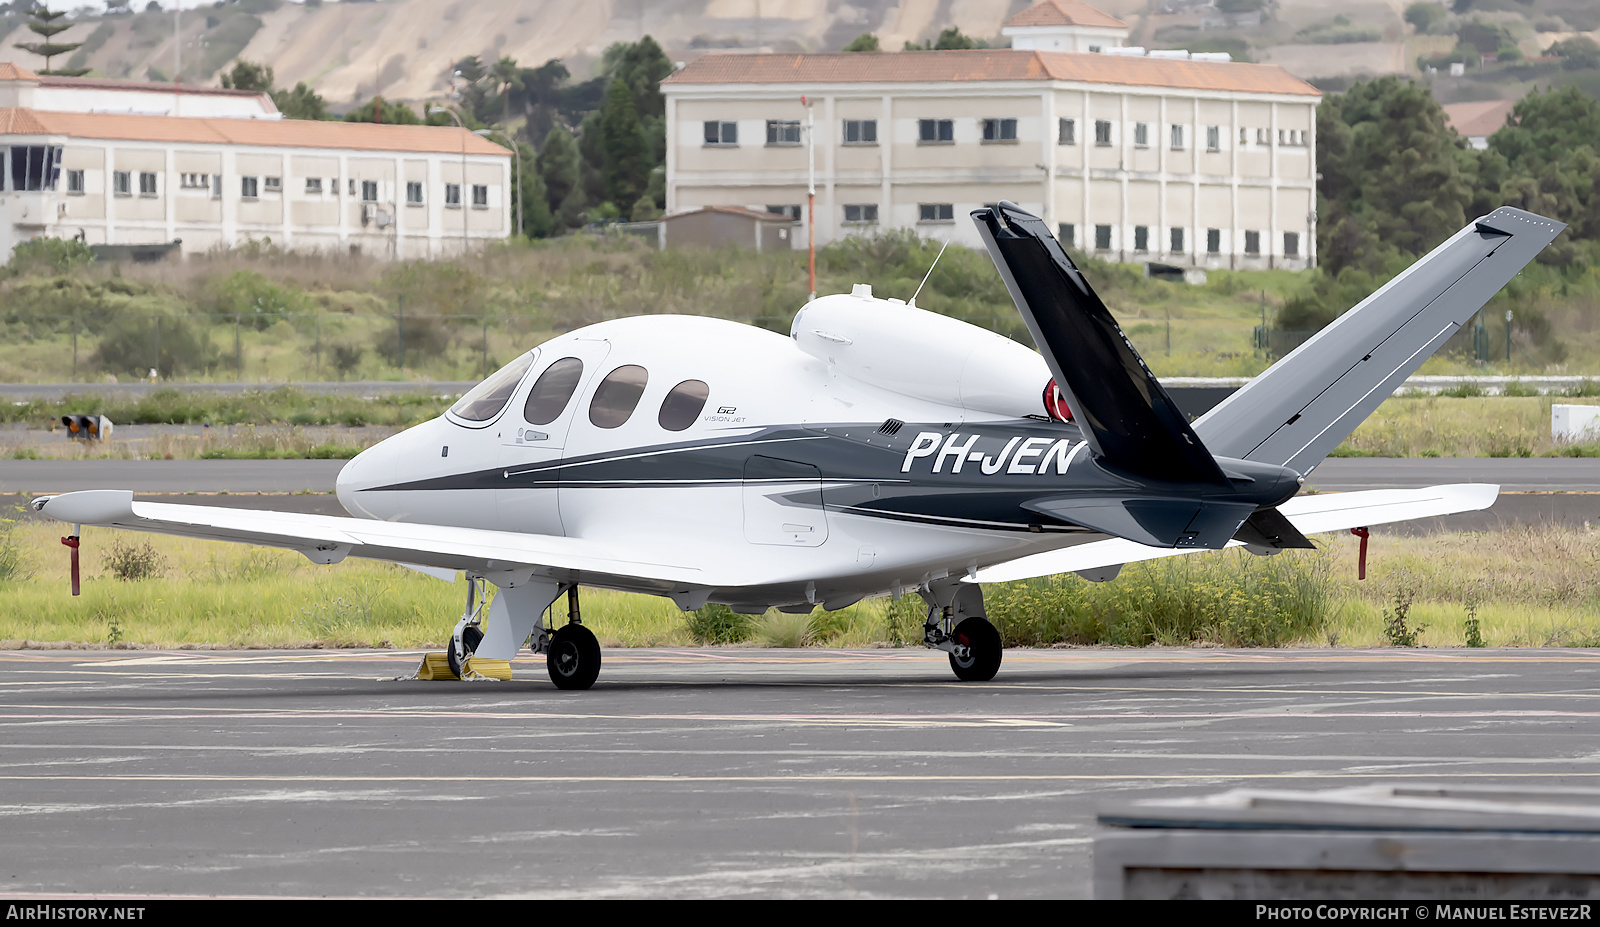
x=715 y=772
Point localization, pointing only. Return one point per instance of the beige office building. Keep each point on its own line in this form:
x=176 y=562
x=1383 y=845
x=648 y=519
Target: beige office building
x=1133 y=156
x=115 y=173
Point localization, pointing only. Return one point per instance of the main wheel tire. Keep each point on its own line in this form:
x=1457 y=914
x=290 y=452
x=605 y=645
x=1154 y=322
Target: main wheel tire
x=574 y=657
x=983 y=650
x=470 y=638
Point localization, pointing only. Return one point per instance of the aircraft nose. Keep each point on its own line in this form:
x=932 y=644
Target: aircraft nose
x=372 y=467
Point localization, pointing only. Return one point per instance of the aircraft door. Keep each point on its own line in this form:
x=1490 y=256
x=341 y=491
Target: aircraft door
x=535 y=434
x=783 y=503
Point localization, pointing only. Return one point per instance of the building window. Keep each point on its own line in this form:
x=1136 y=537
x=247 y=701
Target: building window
x=1141 y=238
x=216 y=186
x=1141 y=135
x=1102 y=238
x=783 y=131
x=722 y=133
x=1102 y=132
x=1252 y=242
x=862 y=214
x=1291 y=244
x=792 y=211
x=935 y=131
x=147 y=183
x=1213 y=241
x=248 y=187
x=413 y=193
x=194 y=181
x=480 y=196
x=1066 y=131
x=1094 y=49
x=861 y=131
x=314 y=185
x=352 y=186
x=1262 y=138
x=75 y=182
x=1244 y=136
x=369 y=191
x=1177 y=241
x=1213 y=138
x=936 y=212
x=272 y=184
x=999 y=130
x=1177 y=138
x=1067 y=234
x=452 y=195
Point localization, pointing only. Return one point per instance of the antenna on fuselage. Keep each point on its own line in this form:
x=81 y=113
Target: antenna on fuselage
x=925 y=277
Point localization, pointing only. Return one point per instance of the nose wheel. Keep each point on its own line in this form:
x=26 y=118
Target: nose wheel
x=981 y=643
x=469 y=640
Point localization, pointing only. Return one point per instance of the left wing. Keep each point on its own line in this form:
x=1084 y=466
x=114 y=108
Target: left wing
x=329 y=539
x=1310 y=514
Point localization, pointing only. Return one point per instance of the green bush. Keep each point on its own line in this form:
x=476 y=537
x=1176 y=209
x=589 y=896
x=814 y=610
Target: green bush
x=46 y=256
x=13 y=558
x=1229 y=598
x=252 y=298
x=131 y=562
x=132 y=346
x=719 y=624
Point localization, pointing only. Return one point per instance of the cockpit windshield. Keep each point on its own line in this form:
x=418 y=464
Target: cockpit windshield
x=485 y=400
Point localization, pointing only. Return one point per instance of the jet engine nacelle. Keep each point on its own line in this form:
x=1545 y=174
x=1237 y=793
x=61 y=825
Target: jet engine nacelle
x=918 y=353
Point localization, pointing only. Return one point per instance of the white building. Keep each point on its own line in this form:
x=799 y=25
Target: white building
x=1065 y=26
x=105 y=170
x=1191 y=162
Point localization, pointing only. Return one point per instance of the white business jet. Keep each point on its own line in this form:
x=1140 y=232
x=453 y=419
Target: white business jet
x=878 y=450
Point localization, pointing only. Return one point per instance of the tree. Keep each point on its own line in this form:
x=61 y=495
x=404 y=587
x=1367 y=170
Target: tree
x=1549 y=147
x=1577 y=53
x=534 y=200
x=301 y=103
x=557 y=166
x=1425 y=16
x=865 y=42
x=397 y=114
x=626 y=158
x=507 y=76
x=471 y=69
x=118 y=7
x=44 y=25
x=952 y=38
x=1395 y=177
x=246 y=75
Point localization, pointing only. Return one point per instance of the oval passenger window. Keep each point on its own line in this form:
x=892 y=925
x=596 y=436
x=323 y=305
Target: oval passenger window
x=617 y=395
x=485 y=400
x=683 y=404
x=552 y=391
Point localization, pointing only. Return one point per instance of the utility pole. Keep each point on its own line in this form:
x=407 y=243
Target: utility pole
x=811 y=197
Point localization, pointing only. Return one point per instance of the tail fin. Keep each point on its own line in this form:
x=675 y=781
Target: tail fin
x=1303 y=406
x=1128 y=418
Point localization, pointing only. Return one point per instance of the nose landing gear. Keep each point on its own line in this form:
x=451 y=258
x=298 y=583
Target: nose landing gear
x=468 y=633
x=973 y=645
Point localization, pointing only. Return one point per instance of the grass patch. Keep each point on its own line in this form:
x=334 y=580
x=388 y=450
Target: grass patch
x=319 y=452
x=1446 y=425
x=1528 y=587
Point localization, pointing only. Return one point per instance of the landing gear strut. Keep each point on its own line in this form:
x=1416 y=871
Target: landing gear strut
x=572 y=653
x=973 y=645
x=468 y=634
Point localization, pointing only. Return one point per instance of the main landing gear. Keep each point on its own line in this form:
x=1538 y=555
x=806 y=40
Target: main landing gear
x=572 y=654
x=973 y=645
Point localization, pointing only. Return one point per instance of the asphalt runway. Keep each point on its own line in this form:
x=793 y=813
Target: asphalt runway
x=714 y=773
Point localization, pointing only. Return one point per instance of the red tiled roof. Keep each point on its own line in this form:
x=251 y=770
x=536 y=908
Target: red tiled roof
x=1481 y=118
x=990 y=65
x=103 y=83
x=272 y=133
x=9 y=71
x=1064 y=13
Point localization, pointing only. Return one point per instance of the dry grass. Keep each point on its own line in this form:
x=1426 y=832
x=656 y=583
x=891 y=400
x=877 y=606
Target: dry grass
x=1529 y=587
x=1445 y=426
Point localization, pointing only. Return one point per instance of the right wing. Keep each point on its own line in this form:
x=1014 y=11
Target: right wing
x=329 y=539
x=1310 y=514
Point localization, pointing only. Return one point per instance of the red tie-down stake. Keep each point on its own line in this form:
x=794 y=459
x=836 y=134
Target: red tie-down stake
x=1361 y=564
x=72 y=544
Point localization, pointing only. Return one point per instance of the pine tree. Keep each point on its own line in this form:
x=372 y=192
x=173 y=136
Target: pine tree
x=45 y=26
x=557 y=167
x=626 y=155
